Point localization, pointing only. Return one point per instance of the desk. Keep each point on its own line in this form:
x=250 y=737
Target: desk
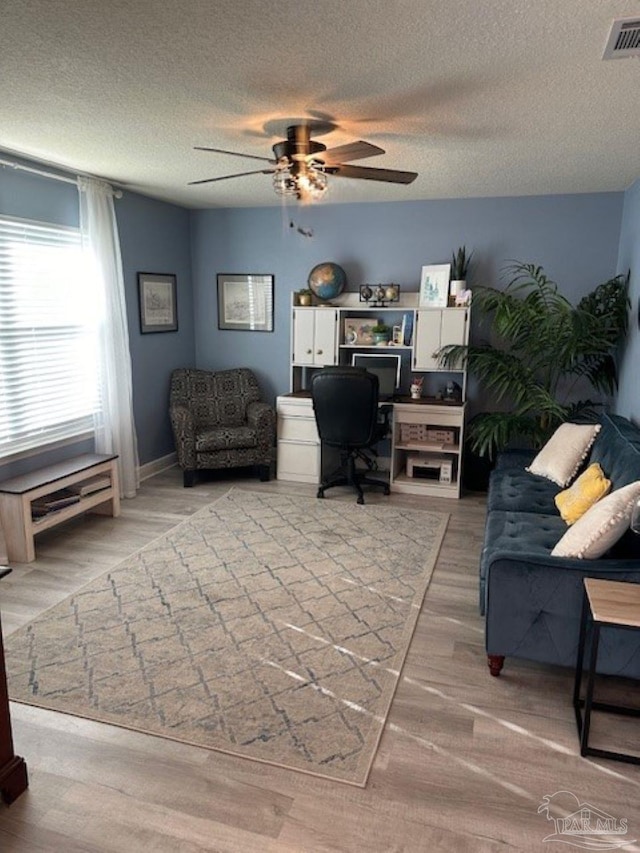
x=427 y=426
x=606 y=604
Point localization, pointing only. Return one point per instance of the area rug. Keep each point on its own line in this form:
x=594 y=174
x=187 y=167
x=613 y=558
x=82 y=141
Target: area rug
x=267 y=626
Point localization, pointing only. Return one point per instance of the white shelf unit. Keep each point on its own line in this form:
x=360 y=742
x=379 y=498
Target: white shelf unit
x=317 y=338
x=426 y=450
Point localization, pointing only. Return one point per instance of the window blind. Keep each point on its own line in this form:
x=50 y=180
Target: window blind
x=48 y=335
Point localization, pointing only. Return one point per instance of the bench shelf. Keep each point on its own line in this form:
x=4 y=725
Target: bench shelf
x=18 y=494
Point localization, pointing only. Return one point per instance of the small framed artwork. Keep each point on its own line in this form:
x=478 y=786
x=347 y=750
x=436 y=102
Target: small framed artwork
x=245 y=302
x=434 y=286
x=158 y=302
x=357 y=331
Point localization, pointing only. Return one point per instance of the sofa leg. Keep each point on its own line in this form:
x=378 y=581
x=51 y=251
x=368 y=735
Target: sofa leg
x=188 y=479
x=265 y=473
x=495 y=664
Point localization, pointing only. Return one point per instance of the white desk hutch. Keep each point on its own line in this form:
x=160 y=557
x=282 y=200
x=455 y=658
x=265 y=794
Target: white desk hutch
x=427 y=435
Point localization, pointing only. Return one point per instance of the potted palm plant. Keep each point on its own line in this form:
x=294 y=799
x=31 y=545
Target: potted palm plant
x=543 y=353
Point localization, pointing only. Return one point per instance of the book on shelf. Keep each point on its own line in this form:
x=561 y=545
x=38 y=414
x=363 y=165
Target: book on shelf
x=50 y=503
x=406 y=330
x=94 y=484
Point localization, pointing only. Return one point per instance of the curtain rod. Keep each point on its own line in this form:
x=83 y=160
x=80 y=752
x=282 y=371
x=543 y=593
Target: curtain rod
x=19 y=167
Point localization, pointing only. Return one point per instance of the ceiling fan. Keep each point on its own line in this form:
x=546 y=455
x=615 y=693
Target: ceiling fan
x=300 y=165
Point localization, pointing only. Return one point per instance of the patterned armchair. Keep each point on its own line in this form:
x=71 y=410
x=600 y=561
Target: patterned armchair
x=219 y=421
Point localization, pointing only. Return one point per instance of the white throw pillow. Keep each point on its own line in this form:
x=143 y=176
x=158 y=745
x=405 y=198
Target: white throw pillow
x=561 y=457
x=600 y=527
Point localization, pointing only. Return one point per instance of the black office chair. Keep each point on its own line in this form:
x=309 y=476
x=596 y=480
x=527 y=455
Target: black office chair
x=345 y=402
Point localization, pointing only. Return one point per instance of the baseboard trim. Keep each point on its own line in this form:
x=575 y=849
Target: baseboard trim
x=156 y=465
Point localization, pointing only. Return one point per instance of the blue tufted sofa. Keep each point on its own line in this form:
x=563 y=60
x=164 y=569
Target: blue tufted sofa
x=532 y=601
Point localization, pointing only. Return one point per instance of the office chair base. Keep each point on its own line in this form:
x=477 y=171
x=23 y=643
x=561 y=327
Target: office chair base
x=351 y=478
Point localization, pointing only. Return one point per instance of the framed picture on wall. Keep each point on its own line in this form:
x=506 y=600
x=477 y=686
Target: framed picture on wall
x=245 y=302
x=158 y=302
x=434 y=286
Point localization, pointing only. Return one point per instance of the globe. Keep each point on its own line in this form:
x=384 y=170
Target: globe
x=327 y=280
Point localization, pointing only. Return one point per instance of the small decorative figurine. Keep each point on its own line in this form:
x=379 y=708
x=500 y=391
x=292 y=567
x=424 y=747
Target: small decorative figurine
x=416 y=387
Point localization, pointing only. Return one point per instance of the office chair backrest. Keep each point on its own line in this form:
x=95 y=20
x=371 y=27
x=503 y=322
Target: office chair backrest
x=345 y=402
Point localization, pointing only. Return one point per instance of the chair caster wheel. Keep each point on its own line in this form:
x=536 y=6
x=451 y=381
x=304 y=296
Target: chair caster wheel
x=320 y=493
x=386 y=490
x=360 y=500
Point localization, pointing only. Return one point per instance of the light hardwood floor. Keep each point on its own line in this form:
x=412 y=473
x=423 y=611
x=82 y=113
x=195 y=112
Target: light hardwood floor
x=464 y=762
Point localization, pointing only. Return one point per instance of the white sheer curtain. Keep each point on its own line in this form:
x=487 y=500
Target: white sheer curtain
x=115 y=428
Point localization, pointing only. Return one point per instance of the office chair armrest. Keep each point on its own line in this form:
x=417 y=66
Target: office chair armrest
x=384 y=412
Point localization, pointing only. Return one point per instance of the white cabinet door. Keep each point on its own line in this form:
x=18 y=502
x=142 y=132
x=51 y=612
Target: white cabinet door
x=437 y=328
x=303 y=336
x=325 y=337
x=453 y=329
x=427 y=339
x=314 y=336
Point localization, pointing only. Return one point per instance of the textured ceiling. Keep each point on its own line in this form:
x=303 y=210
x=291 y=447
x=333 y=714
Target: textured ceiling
x=480 y=97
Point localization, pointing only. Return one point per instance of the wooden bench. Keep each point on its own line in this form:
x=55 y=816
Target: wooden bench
x=18 y=494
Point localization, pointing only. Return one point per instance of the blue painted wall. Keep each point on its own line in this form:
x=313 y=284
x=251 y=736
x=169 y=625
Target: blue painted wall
x=154 y=238
x=574 y=237
x=628 y=402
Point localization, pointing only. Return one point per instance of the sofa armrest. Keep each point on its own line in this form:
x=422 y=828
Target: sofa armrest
x=262 y=417
x=185 y=437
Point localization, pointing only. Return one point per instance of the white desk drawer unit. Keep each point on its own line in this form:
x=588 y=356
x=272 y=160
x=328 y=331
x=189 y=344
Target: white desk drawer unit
x=298 y=441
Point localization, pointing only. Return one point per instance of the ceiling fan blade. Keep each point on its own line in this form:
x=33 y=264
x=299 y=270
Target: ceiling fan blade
x=234 y=153
x=351 y=151
x=392 y=176
x=226 y=177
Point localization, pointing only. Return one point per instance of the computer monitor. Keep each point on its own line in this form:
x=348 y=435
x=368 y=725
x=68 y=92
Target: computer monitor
x=385 y=367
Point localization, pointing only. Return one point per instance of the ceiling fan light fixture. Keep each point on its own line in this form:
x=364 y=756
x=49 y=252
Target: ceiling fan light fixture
x=303 y=183
x=283 y=182
x=300 y=166
x=313 y=181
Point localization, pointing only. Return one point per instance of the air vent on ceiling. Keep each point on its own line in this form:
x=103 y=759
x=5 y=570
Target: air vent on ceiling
x=624 y=39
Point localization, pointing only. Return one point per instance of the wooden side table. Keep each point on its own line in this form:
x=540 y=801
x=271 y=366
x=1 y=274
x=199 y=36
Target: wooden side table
x=13 y=770
x=606 y=604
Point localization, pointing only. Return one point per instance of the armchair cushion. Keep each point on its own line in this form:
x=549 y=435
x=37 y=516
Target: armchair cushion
x=225 y=438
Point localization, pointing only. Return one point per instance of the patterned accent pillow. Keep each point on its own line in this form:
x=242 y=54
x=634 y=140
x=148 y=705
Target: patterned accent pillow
x=590 y=486
x=600 y=527
x=563 y=454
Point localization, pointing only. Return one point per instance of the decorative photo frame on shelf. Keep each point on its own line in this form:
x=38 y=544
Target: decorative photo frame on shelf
x=357 y=331
x=245 y=302
x=158 y=302
x=434 y=286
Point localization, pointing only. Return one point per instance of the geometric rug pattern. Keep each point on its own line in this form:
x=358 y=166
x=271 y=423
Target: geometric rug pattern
x=267 y=626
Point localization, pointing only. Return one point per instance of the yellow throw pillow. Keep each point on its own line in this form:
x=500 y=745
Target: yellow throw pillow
x=590 y=486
